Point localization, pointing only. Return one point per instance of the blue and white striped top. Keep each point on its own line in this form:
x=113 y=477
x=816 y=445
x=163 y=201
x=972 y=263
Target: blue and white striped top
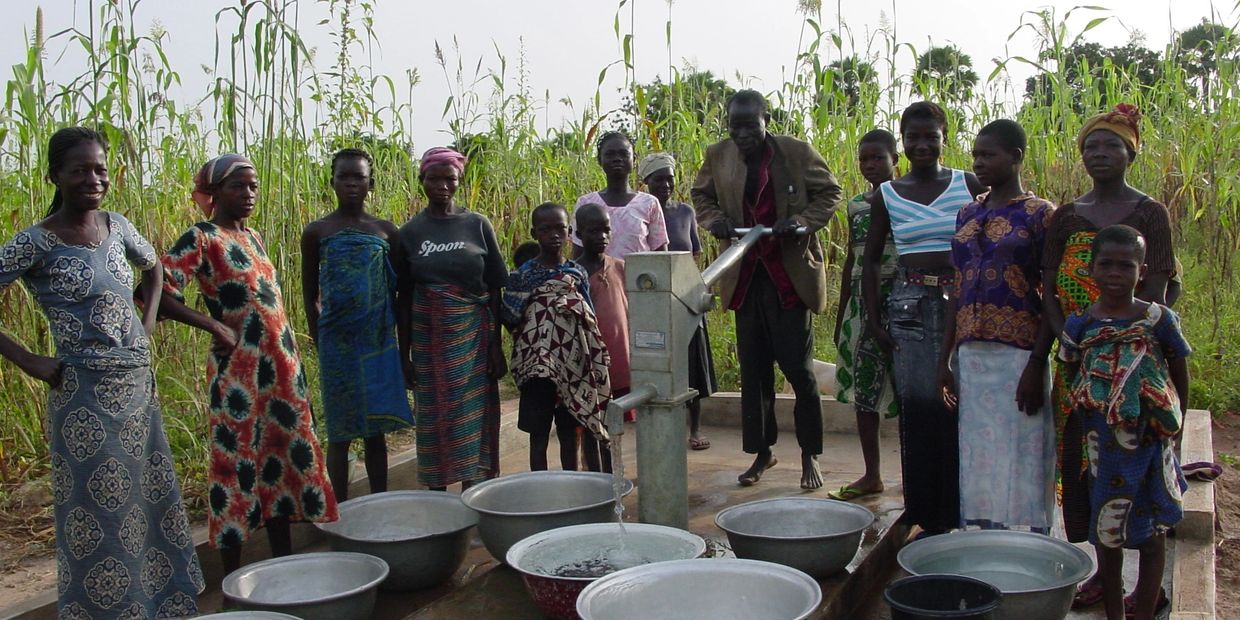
x=919 y=228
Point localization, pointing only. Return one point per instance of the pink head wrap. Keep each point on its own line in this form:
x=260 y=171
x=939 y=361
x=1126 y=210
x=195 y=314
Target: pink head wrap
x=442 y=155
x=210 y=175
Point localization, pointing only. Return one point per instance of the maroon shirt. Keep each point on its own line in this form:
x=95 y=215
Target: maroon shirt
x=762 y=212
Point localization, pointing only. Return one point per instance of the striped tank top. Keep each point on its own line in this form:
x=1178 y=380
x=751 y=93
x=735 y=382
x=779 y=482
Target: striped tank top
x=919 y=228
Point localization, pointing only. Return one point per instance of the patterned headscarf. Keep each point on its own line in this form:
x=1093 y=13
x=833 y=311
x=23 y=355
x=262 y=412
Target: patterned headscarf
x=442 y=155
x=1124 y=121
x=653 y=163
x=210 y=176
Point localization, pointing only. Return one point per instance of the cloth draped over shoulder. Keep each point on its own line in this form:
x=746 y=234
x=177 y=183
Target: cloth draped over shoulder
x=362 y=383
x=1126 y=377
x=559 y=339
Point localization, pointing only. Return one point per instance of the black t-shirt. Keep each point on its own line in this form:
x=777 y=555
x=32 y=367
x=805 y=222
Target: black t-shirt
x=461 y=250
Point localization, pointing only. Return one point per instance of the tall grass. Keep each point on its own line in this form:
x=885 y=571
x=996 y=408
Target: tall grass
x=274 y=99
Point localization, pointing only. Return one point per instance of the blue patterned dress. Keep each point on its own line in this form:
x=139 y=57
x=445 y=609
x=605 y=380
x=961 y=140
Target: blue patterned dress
x=123 y=546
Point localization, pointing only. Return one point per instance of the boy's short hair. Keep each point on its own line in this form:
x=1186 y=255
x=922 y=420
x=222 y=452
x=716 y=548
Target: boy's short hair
x=352 y=153
x=1119 y=234
x=881 y=137
x=1009 y=133
x=524 y=253
x=588 y=207
x=544 y=208
x=924 y=110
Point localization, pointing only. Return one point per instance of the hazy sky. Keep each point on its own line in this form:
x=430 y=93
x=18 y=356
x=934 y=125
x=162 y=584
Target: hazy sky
x=567 y=42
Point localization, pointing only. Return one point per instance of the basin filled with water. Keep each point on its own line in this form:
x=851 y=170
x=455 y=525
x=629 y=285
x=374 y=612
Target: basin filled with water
x=422 y=535
x=715 y=589
x=511 y=508
x=1037 y=574
x=558 y=564
x=310 y=586
x=817 y=536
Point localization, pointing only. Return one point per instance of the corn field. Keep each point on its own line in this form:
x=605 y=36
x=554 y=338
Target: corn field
x=271 y=99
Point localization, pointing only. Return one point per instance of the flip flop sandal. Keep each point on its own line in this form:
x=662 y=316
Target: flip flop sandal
x=1089 y=595
x=849 y=492
x=1202 y=470
x=699 y=443
x=749 y=479
x=1130 y=605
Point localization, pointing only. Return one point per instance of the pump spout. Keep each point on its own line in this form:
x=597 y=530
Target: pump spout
x=638 y=396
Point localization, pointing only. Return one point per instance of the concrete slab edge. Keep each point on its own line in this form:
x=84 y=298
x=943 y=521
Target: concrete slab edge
x=1192 y=569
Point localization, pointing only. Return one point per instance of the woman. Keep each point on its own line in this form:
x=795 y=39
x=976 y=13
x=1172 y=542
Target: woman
x=449 y=329
x=1108 y=143
x=995 y=329
x=919 y=211
x=348 y=286
x=658 y=172
x=637 y=223
x=112 y=474
x=266 y=465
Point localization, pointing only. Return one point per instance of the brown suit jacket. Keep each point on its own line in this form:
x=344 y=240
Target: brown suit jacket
x=804 y=189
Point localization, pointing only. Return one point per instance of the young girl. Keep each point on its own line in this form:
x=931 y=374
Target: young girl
x=348 y=284
x=636 y=217
x=1126 y=360
x=994 y=328
x=919 y=211
x=266 y=464
x=863 y=375
x=112 y=477
x=1109 y=143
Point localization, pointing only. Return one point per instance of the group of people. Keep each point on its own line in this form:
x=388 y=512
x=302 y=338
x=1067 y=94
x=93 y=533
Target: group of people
x=421 y=307
x=975 y=275
x=969 y=273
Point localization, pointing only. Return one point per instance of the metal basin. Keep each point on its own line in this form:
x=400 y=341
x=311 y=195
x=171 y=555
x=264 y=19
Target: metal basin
x=513 y=507
x=248 y=615
x=723 y=589
x=558 y=564
x=814 y=535
x=422 y=535
x=1037 y=574
x=310 y=586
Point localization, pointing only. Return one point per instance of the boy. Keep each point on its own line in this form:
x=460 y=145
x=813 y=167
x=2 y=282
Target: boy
x=348 y=285
x=611 y=302
x=1129 y=380
x=559 y=361
x=863 y=375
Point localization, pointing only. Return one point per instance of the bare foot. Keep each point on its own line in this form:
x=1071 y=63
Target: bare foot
x=868 y=484
x=811 y=476
x=761 y=463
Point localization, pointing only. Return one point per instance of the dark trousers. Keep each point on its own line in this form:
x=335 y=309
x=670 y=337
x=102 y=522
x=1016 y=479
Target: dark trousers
x=767 y=334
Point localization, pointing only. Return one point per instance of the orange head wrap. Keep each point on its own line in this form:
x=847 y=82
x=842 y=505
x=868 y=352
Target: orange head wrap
x=1124 y=121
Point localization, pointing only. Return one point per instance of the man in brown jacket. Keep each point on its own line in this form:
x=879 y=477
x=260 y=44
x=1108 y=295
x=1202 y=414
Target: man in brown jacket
x=756 y=178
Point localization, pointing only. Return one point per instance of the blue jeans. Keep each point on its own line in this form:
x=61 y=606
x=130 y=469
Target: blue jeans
x=929 y=431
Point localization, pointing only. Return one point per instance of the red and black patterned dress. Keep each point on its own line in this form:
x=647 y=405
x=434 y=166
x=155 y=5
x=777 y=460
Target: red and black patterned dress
x=265 y=460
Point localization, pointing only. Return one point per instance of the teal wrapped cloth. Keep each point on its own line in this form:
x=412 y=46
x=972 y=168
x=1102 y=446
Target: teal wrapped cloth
x=360 y=374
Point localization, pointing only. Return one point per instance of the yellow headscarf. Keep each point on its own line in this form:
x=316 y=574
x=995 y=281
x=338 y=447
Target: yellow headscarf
x=1124 y=121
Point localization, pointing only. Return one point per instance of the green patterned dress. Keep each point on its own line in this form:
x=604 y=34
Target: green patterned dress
x=863 y=374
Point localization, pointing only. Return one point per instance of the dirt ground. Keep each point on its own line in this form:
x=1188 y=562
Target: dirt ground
x=1227 y=524
x=27 y=565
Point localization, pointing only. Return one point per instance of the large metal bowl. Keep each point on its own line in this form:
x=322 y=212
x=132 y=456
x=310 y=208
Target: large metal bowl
x=310 y=586
x=591 y=551
x=513 y=507
x=720 y=589
x=248 y=615
x=422 y=535
x=814 y=535
x=1037 y=574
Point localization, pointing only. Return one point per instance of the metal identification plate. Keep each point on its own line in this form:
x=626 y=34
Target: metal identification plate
x=650 y=340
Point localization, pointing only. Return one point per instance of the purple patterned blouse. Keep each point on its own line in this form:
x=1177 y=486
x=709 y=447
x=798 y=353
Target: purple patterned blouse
x=997 y=253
